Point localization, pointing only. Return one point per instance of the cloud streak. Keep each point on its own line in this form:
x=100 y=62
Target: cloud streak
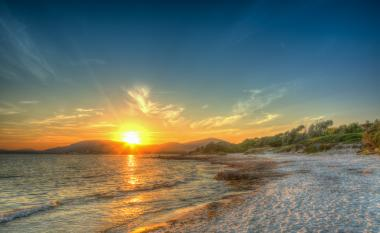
x=139 y=99
x=217 y=121
x=19 y=56
x=27 y=102
x=268 y=117
x=96 y=111
x=74 y=118
x=255 y=101
x=59 y=118
x=311 y=119
x=8 y=109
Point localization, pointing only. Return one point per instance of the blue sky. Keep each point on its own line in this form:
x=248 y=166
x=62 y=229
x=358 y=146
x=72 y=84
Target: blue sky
x=287 y=61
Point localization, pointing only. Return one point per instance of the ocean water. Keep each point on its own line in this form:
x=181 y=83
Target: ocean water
x=98 y=193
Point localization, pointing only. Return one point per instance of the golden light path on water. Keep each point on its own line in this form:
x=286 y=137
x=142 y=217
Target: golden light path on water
x=131 y=163
x=133 y=179
x=127 y=208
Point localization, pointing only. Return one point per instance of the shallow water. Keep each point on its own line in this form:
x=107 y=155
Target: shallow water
x=322 y=193
x=96 y=193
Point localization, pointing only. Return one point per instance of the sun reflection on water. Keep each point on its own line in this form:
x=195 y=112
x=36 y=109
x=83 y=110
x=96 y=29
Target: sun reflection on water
x=131 y=163
x=136 y=199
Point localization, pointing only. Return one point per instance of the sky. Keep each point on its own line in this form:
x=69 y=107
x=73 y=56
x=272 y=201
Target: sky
x=183 y=70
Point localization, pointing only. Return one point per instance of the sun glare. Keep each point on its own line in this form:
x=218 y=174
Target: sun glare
x=131 y=137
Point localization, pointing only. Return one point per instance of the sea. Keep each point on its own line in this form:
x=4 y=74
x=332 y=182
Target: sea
x=99 y=193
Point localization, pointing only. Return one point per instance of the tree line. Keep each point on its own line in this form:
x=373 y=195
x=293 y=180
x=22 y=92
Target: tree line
x=318 y=136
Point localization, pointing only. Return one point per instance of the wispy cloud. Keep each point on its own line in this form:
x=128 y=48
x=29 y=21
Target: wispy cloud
x=58 y=118
x=217 y=121
x=218 y=131
x=29 y=102
x=21 y=58
x=102 y=124
x=139 y=99
x=8 y=109
x=268 y=117
x=73 y=118
x=313 y=118
x=96 y=111
x=255 y=101
x=205 y=106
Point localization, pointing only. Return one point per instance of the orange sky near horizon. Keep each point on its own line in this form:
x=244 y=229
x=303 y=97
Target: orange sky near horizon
x=44 y=142
x=155 y=121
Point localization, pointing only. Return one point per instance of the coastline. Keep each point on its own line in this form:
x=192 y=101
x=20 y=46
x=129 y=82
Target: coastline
x=244 y=173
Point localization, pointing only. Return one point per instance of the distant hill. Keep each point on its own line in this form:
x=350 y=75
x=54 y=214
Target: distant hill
x=114 y=147
x=89 y=147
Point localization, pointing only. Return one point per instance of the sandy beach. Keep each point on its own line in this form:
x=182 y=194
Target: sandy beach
x=280 y=192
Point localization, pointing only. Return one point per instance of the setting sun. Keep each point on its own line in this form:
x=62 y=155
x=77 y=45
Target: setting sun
x=131 y=137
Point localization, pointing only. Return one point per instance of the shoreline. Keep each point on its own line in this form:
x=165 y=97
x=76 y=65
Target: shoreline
x=243 y=173
x=247 y=172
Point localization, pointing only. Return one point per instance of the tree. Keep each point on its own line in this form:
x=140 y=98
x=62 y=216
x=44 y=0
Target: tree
x=319 y=129
x=371 y=138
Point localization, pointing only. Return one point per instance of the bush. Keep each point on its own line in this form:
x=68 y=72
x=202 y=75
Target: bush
x=218 y=148
x=318 y=147
x=371 y=138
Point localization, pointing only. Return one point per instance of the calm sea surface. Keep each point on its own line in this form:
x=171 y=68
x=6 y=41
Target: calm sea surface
x=97 y=193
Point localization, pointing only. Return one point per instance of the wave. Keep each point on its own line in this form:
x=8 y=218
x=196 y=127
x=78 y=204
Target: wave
x=21 y=213
x=121 y=193
x=8 y=176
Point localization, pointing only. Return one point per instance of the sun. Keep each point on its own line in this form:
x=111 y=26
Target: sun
x=131 y=137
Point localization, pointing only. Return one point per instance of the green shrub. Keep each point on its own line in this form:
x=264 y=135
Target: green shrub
x=371 y=138
x=318 y=147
